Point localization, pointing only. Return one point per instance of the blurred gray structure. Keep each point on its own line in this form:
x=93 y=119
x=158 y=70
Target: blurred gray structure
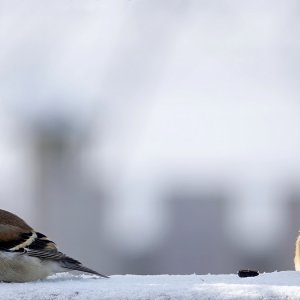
x=154 y=136
x=66 y=202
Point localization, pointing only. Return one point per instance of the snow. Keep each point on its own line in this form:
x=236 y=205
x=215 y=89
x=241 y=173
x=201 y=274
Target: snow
x=277 y=285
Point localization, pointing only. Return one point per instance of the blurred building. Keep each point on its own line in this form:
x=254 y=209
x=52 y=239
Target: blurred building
x=154 y=136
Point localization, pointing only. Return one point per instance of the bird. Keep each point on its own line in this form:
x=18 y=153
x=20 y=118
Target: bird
x=28 y=255
x=297 y=254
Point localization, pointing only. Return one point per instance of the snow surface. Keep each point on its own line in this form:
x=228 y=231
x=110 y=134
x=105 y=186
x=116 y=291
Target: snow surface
x=277 y=285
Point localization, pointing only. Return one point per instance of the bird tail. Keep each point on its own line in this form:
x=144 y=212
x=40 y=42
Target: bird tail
x=72 y=264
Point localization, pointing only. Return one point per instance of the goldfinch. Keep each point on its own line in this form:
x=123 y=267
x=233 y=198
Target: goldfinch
x=297 y=255
x=28 y=255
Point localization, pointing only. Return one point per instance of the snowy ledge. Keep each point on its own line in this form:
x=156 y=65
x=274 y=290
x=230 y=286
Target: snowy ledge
x=278 y=285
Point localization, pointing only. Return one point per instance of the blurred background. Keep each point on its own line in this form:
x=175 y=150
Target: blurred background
x=154 y=136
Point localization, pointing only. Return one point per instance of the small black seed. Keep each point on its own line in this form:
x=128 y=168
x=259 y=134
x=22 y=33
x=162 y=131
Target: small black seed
x=248 y=273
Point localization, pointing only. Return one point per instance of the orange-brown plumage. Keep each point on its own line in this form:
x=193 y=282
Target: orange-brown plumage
x=8 y=218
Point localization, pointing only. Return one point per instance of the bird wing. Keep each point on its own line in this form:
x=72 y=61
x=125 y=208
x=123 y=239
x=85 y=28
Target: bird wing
x=13 y=238
x=63 y=260
x=36 y=244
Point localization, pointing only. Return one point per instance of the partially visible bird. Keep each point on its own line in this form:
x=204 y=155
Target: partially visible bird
x=297 y=254
x=28 y=255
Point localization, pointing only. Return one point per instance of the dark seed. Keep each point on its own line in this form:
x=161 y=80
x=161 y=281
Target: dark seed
x=248 y=273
